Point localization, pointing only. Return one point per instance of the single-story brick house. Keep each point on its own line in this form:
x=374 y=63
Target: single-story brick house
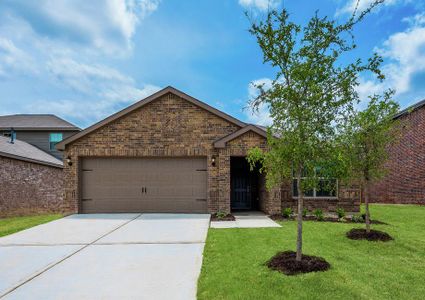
x=173 y=153
x=31 y=180
x=404 y=181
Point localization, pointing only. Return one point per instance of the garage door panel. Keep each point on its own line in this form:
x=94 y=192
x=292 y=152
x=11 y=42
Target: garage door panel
x=106 y=205
x=171 y=185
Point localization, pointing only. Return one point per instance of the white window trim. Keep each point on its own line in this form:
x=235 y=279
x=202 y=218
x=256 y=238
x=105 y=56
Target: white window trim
x=314 y=191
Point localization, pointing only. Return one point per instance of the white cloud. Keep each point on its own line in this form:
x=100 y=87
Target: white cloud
x=262 y=5
x=405 y=55
x=350 y=5
x=106 y=25
x=107 y=89
x=416 y=20
x=67 y=52
x=262 y=116
x=86 y=111
x=13 y=59
x=85 y=78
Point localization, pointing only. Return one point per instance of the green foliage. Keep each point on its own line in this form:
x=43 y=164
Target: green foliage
x=340 y=213
x=255 y=158
x=367 y=136
x=311 y=96
x=221 y=214
x=318 y=213
x=287 y=212
x=305 y=212
x=357 y=218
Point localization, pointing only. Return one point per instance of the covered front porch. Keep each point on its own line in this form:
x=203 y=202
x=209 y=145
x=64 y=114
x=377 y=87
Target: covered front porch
x=248 y=191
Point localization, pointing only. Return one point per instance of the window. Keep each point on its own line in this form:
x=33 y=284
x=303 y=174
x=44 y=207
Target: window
x=54 y=139
x=326 y=189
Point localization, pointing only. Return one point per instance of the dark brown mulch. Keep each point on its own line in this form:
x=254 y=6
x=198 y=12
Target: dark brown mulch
x=286 y=263
x=228 y=217
x=325 y=219
x=373 y=235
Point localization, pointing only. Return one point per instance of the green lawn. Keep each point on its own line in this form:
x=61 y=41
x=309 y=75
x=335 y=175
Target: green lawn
x=233 y=266
x=15 y=224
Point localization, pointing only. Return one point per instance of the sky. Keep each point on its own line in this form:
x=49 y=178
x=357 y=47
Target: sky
x=84 y=60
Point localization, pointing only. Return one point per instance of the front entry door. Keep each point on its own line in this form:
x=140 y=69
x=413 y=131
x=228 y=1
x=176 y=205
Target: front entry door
x=243 y=185
x=241 y=196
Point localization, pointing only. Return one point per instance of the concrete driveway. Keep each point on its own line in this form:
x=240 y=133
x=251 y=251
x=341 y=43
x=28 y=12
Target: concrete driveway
x=105 y=256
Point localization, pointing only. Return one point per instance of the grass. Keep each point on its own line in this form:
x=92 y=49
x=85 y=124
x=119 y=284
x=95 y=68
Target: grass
x=233 y=266
x=15 y=224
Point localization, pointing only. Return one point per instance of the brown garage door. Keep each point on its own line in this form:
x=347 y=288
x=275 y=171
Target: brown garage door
x=143 y=185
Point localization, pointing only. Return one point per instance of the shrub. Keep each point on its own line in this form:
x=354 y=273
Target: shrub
x=357 y=218
x=305 y=212
x=319 y=214
x=221 y=214
x=287 y=212
x=340 y=213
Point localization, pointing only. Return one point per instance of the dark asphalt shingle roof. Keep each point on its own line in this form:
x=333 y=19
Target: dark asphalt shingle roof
x=21 y=150
x=35 y=122
x=410 y=109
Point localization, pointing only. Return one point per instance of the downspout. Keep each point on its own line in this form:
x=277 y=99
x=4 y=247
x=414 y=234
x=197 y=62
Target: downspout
x=12 y=135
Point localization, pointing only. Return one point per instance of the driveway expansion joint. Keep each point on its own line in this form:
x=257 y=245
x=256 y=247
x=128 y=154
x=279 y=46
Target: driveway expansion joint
x=63 y=259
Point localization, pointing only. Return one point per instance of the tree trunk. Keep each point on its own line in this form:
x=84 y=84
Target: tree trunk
x=366 y=203
x=299 y=218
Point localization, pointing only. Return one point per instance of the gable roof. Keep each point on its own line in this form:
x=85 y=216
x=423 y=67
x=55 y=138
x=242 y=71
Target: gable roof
x=143 y=102
x=410 y=109
x=21 y=150
x=35 y=122
x=221 y=143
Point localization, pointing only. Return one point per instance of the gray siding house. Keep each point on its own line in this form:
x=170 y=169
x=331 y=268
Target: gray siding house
x=43 y=131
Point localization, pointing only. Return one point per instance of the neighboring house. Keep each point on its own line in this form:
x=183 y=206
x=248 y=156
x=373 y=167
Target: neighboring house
x=42 y=131
x=173 y=153
x=31 y=181
x=405 y=178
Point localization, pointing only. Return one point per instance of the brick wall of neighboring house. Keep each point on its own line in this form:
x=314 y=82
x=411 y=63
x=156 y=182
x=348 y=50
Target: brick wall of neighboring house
x=405 y=178
x=167 y=127
x=28 y=188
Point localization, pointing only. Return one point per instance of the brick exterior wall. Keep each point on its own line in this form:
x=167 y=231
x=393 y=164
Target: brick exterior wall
x=168 y=127
x=28 y=188
x=348 y=198
x=404 y=181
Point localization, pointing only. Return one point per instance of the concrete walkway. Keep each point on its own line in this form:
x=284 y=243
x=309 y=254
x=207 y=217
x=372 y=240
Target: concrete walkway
x=105 y=256
x=252 y=219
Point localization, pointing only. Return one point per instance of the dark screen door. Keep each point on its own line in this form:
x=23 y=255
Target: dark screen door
x=241 y=196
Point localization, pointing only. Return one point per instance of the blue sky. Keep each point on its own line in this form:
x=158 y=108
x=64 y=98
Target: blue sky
x=84 y=60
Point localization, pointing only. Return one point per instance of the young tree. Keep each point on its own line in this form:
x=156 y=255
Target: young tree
x=368 y=135
x=311 y=95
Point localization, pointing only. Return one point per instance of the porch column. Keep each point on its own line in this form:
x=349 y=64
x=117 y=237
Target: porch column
x=224 y=182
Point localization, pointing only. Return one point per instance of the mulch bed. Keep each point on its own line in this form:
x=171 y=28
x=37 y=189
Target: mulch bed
x=373 y=235
x=286 y=263
x=228 y=217
x=325 y=219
